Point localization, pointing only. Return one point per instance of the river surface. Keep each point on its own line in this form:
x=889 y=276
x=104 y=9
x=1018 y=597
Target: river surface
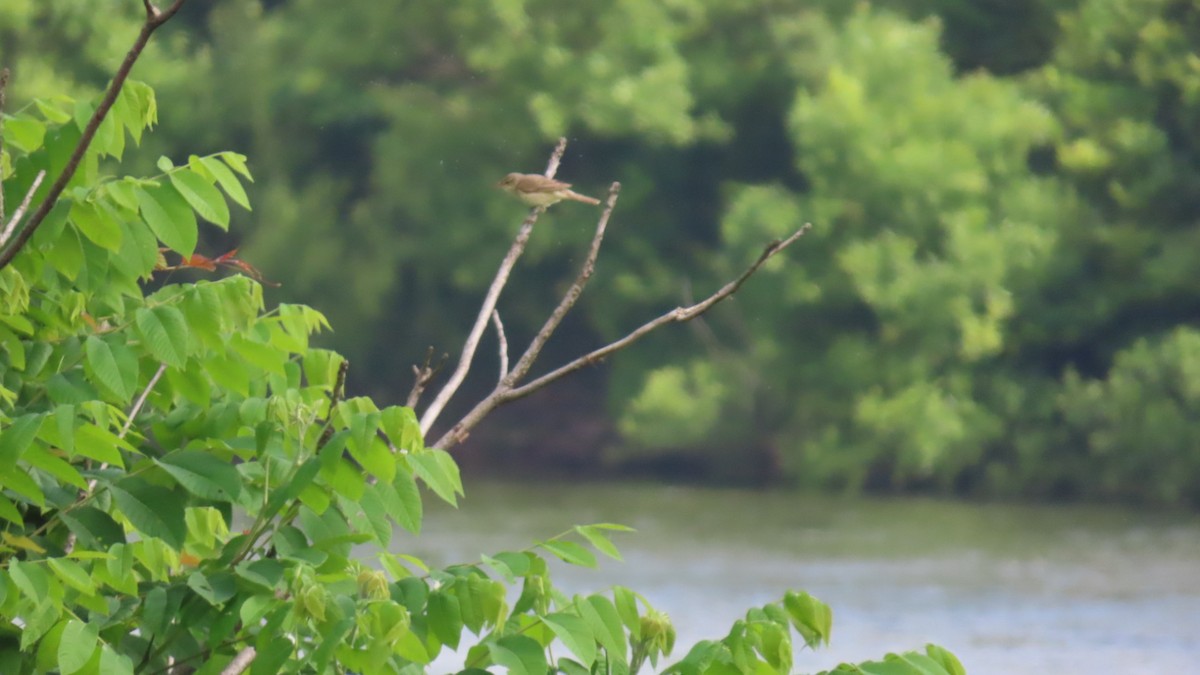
x=1009 y=589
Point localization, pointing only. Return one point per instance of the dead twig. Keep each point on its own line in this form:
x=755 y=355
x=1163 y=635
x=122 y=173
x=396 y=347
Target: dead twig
x=572 y=294
x=499 y=325
x=3 y=98
x=154 y=18
x=505 y=393
x=240 y=662
x=489 y=302
x=423 y=376
x=22 y=208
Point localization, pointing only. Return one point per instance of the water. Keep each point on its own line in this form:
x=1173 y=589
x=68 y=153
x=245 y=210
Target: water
x=1009 y=589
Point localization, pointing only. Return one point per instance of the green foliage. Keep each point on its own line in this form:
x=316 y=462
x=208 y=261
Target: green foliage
x=1002 y=194
x=182 y=477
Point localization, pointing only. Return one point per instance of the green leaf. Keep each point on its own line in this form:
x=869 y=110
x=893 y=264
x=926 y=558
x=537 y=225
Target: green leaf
x=202 y=196
x=112 y=663
x=93 y=527
x=97 y=225
x=155 y=511
x=73 y=574
x=574 y=633
x=601 y=616
x=9 y=512
x=521 y=655
x=402 y=428
x=599 y=540
x=24 y=133
x=16 y=437
x=99 y=444
x=102 y=360
x=237 y=163
x=570 y=552
x=41 y=620
x=264 y=572
x=30 y=579
x=215 y=588
x=812 y=618
x=164 y=332
x=77 y=645
x=169 y=217
x=228 y=182
x=445 y=617
x=203 y=474
x=411 y=509
x=270 y=659
x=949 y=662
x=439 y=471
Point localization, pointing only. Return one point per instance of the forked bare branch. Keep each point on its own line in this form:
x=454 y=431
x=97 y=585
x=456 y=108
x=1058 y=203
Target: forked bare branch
x=507 y=390
x=154 y=18
x=489 y=302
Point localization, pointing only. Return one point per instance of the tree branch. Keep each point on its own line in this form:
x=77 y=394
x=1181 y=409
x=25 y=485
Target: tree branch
x=499 y=325
x=24 y=206
x=572 y=294
x=503 y=393
x=423 y=376
x=3 y=98
x=154 y=18
x=240 y=662
x=489 y=302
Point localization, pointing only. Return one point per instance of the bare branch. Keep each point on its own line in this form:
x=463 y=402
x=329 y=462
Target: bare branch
x=338 y=393
x=489 y=302
x=503 y=343
x=22 y=208
x=423 y=376
x=141 y=401
x=154 y=19
x=3 y=95
x=69 y=544
x=571 y=296
x=503 y=394
x=556 y=157
x=240 y=662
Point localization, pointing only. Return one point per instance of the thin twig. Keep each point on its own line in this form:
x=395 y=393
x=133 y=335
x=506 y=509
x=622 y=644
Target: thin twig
x=69 y=544
x=240 y=662
x=3 y=98
x=154 y=18
x=503 y=343
x=503 y=395
x=22 y=208
x=141 y=401
x=572 y=294
x=422 y=376
x=489 y=302
x=338 y=393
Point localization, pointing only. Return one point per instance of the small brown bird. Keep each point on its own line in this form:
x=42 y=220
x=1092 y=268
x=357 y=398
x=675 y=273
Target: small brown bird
x=537 y=190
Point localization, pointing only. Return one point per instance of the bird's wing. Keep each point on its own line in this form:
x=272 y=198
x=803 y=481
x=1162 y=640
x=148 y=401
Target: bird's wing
x=536 y=183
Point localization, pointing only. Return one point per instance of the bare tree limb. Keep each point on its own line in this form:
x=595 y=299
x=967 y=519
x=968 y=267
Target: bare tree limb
x=489 y=302
x=141 y=401
x=69 y=544
x=503 y=343
x=154 y=18
x=3 y=98
x=504 y=394
x=240 y=662
x=572 y=294
x=24 y=206
x=423 y=376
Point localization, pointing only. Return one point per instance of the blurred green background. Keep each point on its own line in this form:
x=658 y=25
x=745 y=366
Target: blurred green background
x=999 y=296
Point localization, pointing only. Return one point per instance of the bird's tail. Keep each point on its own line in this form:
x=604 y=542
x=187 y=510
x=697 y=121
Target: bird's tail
x=571 y=194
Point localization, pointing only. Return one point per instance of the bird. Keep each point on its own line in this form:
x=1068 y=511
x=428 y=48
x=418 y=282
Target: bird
x=538 y=190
